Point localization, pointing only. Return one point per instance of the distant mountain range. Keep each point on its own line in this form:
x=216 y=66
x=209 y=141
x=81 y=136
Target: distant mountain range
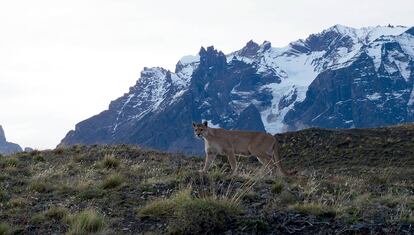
x=342 y=77
x=7 y=147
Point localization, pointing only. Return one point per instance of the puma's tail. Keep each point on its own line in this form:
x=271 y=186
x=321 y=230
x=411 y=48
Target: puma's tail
x=278 y=160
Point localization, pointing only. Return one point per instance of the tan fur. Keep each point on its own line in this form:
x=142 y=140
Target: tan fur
x=245 y=143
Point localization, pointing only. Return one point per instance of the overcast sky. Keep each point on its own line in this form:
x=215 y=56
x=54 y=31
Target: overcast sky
x=64 y=61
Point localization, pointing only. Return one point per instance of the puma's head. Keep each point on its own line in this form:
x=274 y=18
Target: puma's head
x=200 y=129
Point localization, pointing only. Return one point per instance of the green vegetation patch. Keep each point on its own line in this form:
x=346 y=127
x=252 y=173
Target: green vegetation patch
x=277 y=186
x=5 y=229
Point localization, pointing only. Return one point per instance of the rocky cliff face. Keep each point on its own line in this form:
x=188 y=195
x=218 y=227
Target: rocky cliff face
x=7 y=147
x=339 y=78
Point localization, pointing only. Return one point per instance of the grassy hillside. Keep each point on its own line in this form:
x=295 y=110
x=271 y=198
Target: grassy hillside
x=349 y=181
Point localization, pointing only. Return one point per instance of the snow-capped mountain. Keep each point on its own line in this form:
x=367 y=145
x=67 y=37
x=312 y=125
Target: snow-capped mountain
x=340 y=78
x=7 y=147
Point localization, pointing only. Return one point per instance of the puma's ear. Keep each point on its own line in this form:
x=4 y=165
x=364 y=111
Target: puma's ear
x=194 y=125
x=205 y=123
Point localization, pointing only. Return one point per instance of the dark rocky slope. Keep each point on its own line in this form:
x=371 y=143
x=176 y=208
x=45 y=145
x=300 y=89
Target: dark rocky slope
x=7 y=147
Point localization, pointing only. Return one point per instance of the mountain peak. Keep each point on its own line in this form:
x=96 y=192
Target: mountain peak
x=211 y=57
x=250 y=49
x=266 y=45
x=341 y=28
x=251 y=44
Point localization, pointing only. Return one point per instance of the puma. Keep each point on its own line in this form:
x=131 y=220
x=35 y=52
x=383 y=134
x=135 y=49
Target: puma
x=245 y=143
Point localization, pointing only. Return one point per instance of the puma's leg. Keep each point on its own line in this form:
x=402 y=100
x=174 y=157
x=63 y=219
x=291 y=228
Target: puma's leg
x=266 y=161
x=233 y=163
x=209 y=159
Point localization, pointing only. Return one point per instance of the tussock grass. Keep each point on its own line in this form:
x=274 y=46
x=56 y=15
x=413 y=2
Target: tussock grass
x=86 y=222
x=189 y=214
x=56 y=213
x=112 y=181
x=9 y=162
x=40 y=186
x=159 y=208
x=18 y=202
x=39 y=158
x=277 y=186
x=110 y=161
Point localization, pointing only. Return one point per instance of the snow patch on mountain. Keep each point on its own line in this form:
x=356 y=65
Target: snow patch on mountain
x=190 y=59
x=120 y=113
x=366 y=35
x=298 y=69
x=185 y=68
x=297 y=72
x=375 y=96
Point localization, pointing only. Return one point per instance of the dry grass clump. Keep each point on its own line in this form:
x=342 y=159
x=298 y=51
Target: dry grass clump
x=53 y=214
x=9 y=162
x=86 y=222
x=18 y=202
x=110 y=161
x=112 y=181
x=40 y=186
x=189 y=214
x=56 y=213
